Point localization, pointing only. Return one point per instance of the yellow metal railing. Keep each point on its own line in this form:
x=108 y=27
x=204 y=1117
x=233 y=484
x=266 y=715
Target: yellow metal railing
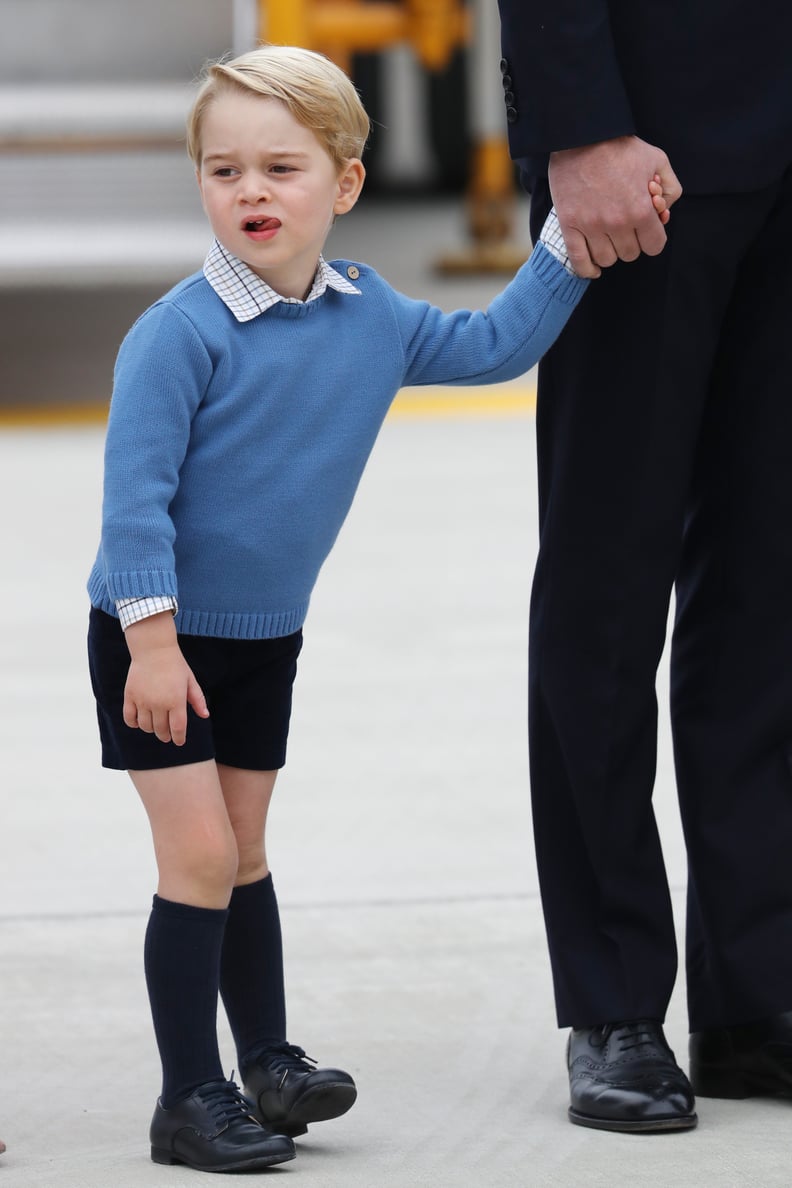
x=339 y=28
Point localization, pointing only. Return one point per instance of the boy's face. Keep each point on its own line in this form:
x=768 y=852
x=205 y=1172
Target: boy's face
x=269 y=188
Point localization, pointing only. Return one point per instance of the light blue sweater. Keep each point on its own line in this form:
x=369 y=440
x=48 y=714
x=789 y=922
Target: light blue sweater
x=234 y=449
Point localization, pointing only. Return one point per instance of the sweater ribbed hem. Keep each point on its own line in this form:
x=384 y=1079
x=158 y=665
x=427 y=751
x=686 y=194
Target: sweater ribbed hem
x=225 y=624
x=218 y=624
x=233 y=625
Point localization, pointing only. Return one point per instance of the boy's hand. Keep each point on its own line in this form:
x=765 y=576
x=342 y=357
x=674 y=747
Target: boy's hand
x=659 y=200
x=160 y=684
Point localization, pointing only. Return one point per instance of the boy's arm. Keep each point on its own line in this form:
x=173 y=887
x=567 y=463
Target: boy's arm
x=519 y=326
x=160 y=684
x=489 y=346
x=161 y=372
x=161 y=376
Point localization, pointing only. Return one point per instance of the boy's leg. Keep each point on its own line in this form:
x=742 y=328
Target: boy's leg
x=194 y=841
x=204 y=1121
x=196 y=858
x=288 y=1091
x=251 y=968
x=182 y=959
x=201 y=1118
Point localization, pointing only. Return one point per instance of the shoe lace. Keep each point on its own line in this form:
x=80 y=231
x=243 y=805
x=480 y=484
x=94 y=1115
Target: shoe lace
x=284 y=1057
x=224 y=1101
x=635 y=1033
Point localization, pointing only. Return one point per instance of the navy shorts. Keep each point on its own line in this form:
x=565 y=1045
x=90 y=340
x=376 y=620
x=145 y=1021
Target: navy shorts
x=248 y=688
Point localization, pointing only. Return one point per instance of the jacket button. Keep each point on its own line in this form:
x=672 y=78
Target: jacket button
x=511 y=115
x=504 y=66
x=509 y=97
x=353 y=272
x=507 y=81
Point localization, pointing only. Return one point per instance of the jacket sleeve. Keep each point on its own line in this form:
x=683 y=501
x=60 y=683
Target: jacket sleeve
x=500 y=343
x=561 y=76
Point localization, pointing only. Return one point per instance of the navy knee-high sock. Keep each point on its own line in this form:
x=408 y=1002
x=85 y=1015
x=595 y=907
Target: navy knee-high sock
x=182 y=964
x=251 y=969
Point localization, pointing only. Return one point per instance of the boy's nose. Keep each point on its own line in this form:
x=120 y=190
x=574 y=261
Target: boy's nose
x=255 y=188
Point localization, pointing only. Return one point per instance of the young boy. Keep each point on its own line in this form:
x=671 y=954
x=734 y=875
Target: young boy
x=245 y=405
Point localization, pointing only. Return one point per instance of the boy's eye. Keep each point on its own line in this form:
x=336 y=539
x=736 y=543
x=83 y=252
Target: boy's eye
x=282 y=168
x=224 y=171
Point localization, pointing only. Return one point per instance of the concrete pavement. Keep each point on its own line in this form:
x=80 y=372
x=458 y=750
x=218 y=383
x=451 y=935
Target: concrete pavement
x=400 y=846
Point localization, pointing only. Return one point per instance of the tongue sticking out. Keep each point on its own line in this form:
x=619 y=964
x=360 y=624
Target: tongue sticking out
x=262 y=224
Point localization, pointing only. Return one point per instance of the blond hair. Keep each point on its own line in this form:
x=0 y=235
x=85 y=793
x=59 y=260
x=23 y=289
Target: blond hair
x=316 y=91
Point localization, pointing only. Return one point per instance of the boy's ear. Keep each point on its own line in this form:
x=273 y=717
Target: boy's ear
x=350 y=183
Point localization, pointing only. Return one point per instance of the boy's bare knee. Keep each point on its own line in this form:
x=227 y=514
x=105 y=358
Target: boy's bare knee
x=216 y=875
x=252 y=865
x=203 y=874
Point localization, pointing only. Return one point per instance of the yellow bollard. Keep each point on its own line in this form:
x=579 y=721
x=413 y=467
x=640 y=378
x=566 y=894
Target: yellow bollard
x=491 y=199
x=490 y=206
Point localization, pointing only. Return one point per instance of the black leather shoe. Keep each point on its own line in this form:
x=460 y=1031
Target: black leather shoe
x=623 y=1076
x=288 y=1091
x=213 y=1130
x=752 y=1059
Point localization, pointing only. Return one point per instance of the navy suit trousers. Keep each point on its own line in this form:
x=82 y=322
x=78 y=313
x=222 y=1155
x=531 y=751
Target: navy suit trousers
x=664 y=431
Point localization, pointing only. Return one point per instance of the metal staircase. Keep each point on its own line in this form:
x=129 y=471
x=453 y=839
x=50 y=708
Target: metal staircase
x=95 y=184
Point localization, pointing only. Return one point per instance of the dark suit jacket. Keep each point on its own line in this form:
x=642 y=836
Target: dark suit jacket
x=708 y=81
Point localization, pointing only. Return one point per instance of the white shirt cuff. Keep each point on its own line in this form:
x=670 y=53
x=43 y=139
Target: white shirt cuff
x=132 y=610
x=553 y=240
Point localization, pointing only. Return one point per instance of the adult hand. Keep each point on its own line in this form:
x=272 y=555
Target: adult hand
x=602 y=199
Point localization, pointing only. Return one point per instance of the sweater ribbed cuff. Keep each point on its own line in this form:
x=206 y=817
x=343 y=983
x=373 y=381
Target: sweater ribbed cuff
x=153 y=583
x=564 y=285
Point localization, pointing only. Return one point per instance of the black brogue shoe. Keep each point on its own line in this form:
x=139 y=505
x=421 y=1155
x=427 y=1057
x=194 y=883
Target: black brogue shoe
x=623 y=1076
